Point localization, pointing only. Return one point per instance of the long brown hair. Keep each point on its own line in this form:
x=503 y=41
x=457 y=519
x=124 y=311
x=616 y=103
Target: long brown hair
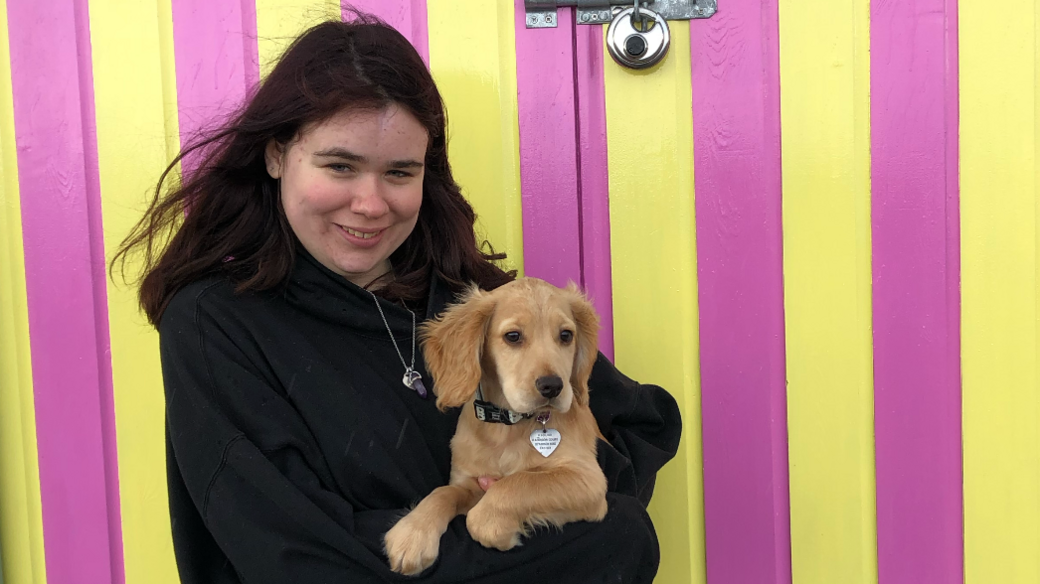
x=235 y=223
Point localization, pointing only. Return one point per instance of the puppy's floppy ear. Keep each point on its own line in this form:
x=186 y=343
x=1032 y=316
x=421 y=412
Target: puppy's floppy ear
x=587 y=342
x=453 y=344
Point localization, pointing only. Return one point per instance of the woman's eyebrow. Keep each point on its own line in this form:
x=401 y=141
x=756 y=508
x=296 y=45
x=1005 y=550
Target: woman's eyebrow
x=337 y=152
x=405 y=164
x=343 y=153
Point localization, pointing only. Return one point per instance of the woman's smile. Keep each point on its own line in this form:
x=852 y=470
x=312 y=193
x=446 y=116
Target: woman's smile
x=361 y=238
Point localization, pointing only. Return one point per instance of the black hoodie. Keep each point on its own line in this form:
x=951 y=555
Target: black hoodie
x=293 y=446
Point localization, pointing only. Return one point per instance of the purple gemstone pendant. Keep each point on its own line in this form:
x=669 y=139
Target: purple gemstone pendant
x=419 y=388
x=412 y=380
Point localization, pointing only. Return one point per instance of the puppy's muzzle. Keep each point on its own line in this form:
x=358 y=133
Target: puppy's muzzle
x=549 y=386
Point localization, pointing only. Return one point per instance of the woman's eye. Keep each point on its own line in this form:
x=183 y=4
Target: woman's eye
x=339 y=167
x=512 y=337
x=399 y=174
x=566 y=337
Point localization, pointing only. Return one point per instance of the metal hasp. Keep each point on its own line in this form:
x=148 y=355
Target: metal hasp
x=543 y=13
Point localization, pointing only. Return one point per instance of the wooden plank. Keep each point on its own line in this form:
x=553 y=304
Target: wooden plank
x=916 y=291
x=52 y=82
x=654 y=272
x=136 y=112
x=549 y=185
x=825 y=115
x=999 y=127
x=21 y=519
x=736 y=121
x=473 y=60
x=593 y=178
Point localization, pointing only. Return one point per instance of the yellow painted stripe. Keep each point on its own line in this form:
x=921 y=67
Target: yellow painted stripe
x=825 y=115
x=473 y=59
x=21 y=518
x=135 y=101
x=654 y=276
x=279 y=22
x=1000 y=304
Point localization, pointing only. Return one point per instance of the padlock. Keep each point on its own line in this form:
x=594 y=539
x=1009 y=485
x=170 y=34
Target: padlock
x=638 y=37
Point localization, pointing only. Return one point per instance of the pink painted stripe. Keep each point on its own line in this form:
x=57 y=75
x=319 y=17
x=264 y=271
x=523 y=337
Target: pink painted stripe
x=593 y=183
x=407 y=16
x=915 y=195
x=563 y=152
x=737 y=170
x=65 y=280
x=216 y=61
x=549 y=187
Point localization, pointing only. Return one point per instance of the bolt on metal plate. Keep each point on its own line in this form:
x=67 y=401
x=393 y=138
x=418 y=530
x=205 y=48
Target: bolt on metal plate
x=542 y=19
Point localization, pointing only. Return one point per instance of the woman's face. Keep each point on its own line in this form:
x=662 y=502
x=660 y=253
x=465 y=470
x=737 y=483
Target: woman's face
x=351 y=188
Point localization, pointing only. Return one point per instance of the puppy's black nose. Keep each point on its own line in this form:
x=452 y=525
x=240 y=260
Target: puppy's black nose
x=549 y=386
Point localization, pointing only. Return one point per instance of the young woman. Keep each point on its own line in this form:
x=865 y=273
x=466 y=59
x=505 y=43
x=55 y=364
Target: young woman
x=286 y=276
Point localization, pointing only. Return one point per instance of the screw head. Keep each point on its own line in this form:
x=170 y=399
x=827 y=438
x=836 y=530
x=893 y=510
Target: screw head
x=585 y=17
x=548 y=18
x=532 y=19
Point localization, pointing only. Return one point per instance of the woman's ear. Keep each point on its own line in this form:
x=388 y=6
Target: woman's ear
x=273 y=154
x=587 y=346
x=453 y=345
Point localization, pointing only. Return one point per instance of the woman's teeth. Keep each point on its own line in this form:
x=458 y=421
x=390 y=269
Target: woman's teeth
x=360 y=234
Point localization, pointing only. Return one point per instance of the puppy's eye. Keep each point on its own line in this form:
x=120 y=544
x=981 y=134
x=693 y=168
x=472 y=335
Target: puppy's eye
x=512 y=337
x=566 y=337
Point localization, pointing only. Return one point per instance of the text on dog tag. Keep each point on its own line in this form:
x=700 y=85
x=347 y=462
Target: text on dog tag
x=545 y=441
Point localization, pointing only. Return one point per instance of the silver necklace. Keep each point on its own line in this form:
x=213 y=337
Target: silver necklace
x=412 y=379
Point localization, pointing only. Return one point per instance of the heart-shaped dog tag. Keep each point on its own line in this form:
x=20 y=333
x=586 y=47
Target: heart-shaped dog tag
x=545 y=440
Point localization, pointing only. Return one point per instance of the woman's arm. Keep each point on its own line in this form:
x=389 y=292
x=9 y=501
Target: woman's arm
x=643 y=424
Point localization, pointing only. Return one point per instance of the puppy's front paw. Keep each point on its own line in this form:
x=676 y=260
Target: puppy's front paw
x=411 y=546
x=493 y=529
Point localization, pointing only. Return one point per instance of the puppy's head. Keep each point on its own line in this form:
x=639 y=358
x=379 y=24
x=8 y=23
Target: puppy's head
x=535 y=342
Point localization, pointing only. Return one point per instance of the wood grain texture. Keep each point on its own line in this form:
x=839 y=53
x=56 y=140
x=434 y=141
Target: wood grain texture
x=914 y=199
x=825 y=115
x=736 y=121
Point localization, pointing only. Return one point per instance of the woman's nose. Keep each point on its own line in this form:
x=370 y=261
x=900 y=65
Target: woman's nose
x=367 y=199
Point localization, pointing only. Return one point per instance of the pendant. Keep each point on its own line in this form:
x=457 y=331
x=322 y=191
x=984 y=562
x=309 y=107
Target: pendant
x=413 y=380
x=545 y=441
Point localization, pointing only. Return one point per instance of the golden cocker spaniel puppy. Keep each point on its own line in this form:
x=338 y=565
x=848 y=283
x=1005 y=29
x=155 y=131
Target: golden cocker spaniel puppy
x=517 y=360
